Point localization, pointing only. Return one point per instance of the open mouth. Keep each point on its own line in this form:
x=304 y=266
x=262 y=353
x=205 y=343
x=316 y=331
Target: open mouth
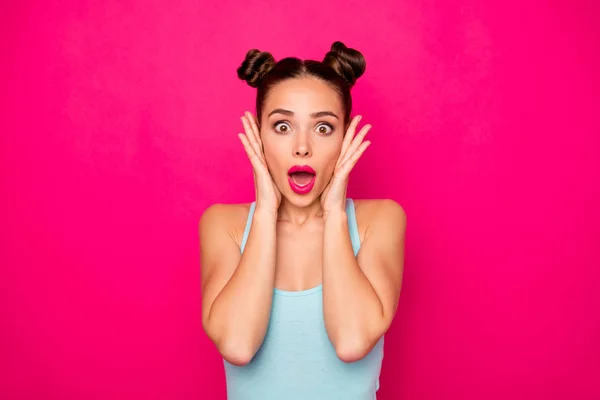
x=301 y=178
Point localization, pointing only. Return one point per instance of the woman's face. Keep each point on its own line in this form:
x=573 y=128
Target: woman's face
x=302 y=129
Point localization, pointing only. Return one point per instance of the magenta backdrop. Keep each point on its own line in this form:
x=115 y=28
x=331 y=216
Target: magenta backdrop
x=118 y=129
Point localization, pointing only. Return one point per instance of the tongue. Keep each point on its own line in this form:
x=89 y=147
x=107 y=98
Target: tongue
x=302 y=178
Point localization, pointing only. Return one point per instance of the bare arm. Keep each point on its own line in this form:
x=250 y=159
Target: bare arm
x=360 y=294
x=237 y=289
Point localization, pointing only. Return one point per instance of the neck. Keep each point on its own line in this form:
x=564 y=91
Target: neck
x=291 y=213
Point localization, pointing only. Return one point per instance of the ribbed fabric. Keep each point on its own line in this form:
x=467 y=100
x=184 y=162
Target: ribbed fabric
x=296 y=360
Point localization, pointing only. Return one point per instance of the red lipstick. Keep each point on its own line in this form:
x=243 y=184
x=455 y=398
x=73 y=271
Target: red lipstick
x=301 y=178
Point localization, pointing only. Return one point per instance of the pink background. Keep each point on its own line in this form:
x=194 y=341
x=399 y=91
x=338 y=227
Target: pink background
x=118 y=129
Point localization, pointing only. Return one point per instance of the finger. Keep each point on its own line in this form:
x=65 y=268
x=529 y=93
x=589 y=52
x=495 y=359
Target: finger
x=358 y=140
x=350 y=133
x=256 y=130
x=251 y=136
x=353 y=159
x=348 y=138
x=254 y=126
x=254 y=158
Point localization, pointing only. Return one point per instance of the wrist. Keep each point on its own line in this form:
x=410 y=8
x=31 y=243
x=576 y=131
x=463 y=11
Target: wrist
x=265 y=213
x=335 y=215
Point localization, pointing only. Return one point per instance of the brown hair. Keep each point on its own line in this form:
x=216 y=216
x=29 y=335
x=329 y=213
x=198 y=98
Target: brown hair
x=340 y=69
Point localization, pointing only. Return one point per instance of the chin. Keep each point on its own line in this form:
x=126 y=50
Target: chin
x=301 y=200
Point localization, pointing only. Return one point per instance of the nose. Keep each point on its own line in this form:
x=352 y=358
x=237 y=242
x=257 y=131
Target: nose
x=302 y=147
x=302 y=152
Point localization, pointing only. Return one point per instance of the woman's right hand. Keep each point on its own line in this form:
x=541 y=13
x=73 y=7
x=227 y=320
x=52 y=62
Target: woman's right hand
x=268 y=196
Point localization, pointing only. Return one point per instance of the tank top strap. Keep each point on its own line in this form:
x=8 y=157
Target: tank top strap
x=248 y=225
x=352 y=226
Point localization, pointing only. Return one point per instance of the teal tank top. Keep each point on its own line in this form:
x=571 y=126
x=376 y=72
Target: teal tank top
x=296 y=360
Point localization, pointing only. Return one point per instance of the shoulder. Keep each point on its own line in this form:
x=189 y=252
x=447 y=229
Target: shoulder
x=220 y=217
x=220 y=212
x=380 y=214
x=378 y=207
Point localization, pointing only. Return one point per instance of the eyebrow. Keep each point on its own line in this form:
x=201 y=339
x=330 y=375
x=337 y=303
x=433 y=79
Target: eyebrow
x=313 y=115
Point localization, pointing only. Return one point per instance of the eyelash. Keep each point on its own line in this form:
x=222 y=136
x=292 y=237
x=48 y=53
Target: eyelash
x=331 y=129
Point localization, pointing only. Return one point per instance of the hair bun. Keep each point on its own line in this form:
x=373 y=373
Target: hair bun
x=256 y=65
x=347 y=62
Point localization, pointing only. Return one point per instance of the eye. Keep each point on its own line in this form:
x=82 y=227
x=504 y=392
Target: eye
x=281 y=127
x=325 y=129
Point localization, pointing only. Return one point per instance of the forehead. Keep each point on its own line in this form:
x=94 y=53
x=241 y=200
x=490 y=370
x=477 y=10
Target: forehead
x=303 y=96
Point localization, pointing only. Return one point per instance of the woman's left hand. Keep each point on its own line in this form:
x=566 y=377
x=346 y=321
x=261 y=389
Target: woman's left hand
x=333 y=198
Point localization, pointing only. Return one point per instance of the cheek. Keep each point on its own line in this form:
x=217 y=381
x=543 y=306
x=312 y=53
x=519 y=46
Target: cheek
x=333 y=152
x=273 y=156
x=330 y=159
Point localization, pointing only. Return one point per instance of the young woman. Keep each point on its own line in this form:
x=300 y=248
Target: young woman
x=299 y=287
